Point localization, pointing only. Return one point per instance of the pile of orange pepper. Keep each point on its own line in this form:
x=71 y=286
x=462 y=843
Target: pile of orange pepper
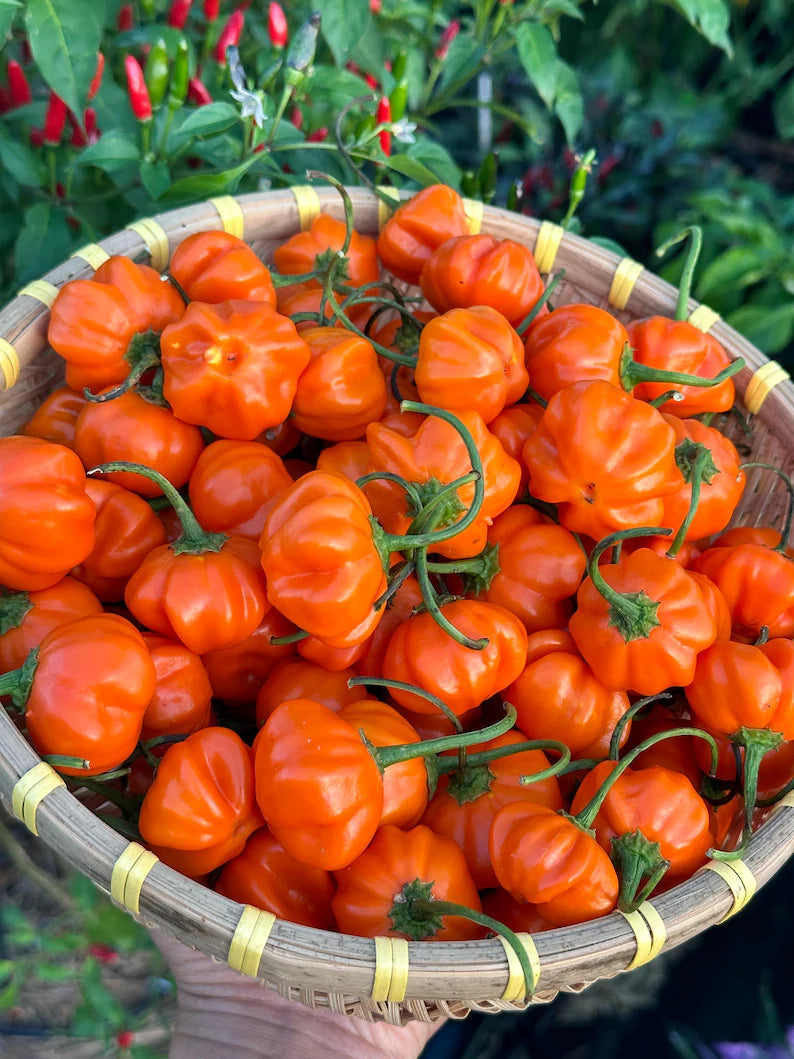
x=394 y=614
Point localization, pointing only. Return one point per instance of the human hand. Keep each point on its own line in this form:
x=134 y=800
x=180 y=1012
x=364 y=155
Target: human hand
x=222 y=1013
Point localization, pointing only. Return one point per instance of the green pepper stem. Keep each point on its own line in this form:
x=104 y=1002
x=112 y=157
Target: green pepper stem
x=435 y=611
x=293 y=637
x=18 y=682
x=485 y=757
x=757 y=742
x=636 y=858
x=695 y=234
x=629 y=715
x=14 y=606
x=786 y=531
x=632 y=372
x=398 y=575
x=542 y=300
x=700 y=467
x=66 y=761
x=587 y=815
x=393 y=755
x=129 y=804
x=633 y=614
x=663 y=398
x=194 y=540
x=387 y=476
x=401 y=685
x=342 y=316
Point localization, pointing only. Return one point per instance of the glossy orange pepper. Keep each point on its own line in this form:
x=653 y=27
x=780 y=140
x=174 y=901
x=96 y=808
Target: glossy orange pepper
x=314 y=649
x=758 y=585
x=607 y=459
x=182 y=700
x=379 y=894
x=231 y=485
x=680 y=754
x=722 y=481
x=307 y=298
x=266 y=876
x=540 y=567
x=405 y=785
x=342 y=390
x=56 y=417
x=471 y=359
x=513 y=427
x=717 y=604
x=676 y=345
x=659 y=802
x=27 y=617
x=232 y=367
x=296 y=678
x=423 y=654
x=282 y=439
x=126 y=531
x=325 y=236
x=558 y=696
x=218 y=267
x=423 y=448
x=418 y=227
x=201 y=808
x=93 y=321
x=646 y=632
x=323 y=567
x=85 y=690
x=467 y=800
x=350 y=458
x=481 y=270
x=133 y=429
x=397 y=610
x=238 y=672
x=549 y=860
x=48 y=517
x=204 y=589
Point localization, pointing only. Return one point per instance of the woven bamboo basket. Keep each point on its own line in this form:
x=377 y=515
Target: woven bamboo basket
x=384 y=979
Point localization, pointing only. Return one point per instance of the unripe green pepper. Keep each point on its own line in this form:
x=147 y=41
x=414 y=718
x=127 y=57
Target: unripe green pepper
x=180 y=75
x=156 y=73
x=399 y=100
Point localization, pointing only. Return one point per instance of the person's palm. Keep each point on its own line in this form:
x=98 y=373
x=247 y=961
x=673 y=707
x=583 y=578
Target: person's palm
x=223 y=1014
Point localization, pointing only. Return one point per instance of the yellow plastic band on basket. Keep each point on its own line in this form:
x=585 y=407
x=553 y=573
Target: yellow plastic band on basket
x=650 y=932
x=250 y=938
x=308 y=202
x=787 y=801
x=384 y=209
x=703 y=318
x=129 y=874
x=517 y=987
x=473 y=209
x=762 y=383
x=93 y=254
x=391 y=970
x=155 y=239
x=626 y=275
x=41 y=290
x=9 y=363
x=740 y=880
x=230 y=213
x=30 y=790
x=547 y=244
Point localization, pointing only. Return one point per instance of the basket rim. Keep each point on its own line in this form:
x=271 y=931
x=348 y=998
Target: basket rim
x=320 y=960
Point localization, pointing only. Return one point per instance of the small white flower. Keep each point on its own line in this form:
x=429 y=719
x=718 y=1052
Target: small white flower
x=251 y=103
x=404 y=131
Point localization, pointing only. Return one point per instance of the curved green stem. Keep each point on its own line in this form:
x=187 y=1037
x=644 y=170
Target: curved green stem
x=485 y=757
x=66 y=761
x=545 y=296
x=433 y=608
x=388 y=476
x=697 y=464
x=401 y=685
x=18 y=682
x=397 y=578
x=695 y=234
x=342 y=316
x=663 y=398
x=636 y=858
x=629 y=715
x=786 y=531
x=194 y=540
x=757 y=742
x=392 y=755
x=632 y=372
x=316 y=174
x=633 y=614
x=293 y=637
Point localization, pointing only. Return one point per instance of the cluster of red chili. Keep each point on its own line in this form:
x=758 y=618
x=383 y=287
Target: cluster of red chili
x=491 y=513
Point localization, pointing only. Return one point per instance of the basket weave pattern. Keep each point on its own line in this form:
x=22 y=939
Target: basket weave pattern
x=319 y=968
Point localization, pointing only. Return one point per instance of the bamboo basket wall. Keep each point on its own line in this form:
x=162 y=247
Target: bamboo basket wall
x=380 y=980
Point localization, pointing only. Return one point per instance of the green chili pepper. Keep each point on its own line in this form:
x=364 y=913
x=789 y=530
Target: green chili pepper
x=399 y=66
x=469 y=183
x=156 y=73
x=487 y=177
x=180 y=75
x=300 y=54
x=399 y=100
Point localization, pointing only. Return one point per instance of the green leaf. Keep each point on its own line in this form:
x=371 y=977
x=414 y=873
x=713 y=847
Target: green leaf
x=335 y=87
x=711 y=18
x=113 y=151
x=155 y=177
x=769 y=329
x=437 y=159
x=411 y=168
x=554 y=8
x=8 y=995
x=45 y=240
x=8 y=9
x=538 y=55
x=344 y=22
x=204 y=185
x=568 y=104
x=24 y=165
x=461 y=62
x=368 y=50
x=53 y=972
x=784 y=111
x=215 y=117
x=609 y=244
x=64 y=37
x=738 y=267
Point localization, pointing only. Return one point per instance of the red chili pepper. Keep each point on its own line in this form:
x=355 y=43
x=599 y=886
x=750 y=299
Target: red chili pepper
x=296 y=117
x=178 y=13
x=79 y=138
x=375 y=6
x=100 y=69
x=54 y=120
x=371 y=80
x=124 y=19
x=89 y=123
x=137 y=90
x=5 y=100
x=447 y=38
x=198 y=93
x=277 y=25
x=211 y=9
x=384 y=115
x=318 y=135
x=17 y=84
x=230 y=35
x=124 y=1038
